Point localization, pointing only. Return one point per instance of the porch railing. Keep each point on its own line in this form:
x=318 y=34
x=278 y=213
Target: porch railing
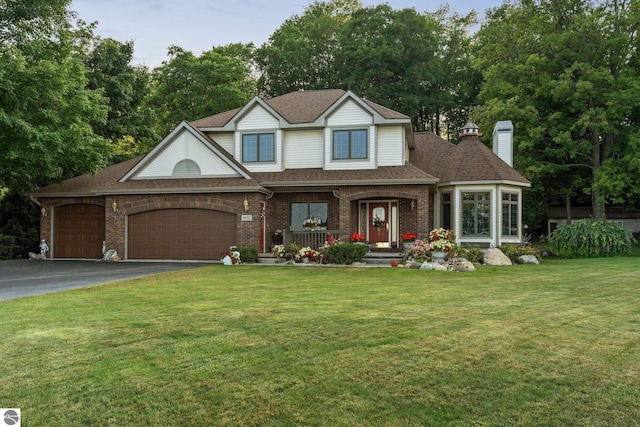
x=314 y=239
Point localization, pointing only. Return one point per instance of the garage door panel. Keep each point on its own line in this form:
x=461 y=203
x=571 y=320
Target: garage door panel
x=180 y=234
x=78 y=231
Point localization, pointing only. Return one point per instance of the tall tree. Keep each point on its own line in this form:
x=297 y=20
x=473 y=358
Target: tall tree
x=301 y=53
x=567 y=74
x=46 y=110
x=388 y=56
x=191 y=87
x=125 y=86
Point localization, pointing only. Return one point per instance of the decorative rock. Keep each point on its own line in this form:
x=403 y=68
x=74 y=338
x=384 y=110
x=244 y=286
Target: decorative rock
x=359 y=264
x=33 y=255
x=440 y=267
x=465 y=267
x=495 y=256
x=426 y=266
x=528 y=259
x=109 y=255
x=415 y=266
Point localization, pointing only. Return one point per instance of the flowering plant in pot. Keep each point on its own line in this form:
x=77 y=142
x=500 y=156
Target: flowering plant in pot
x=442 y=240
x=279 y=251
x=409 y=237
x=306 y=252
x=419 y=251
x=311 y=223
x=357 y=237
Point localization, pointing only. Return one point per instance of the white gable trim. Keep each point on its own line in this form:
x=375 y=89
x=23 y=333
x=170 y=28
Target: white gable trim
x=249 y=106
x=175 y=133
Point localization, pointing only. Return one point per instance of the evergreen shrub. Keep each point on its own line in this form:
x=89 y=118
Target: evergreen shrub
x=347 y=253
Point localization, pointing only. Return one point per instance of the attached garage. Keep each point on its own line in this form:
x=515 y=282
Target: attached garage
x=78 y=231
x=190 y=234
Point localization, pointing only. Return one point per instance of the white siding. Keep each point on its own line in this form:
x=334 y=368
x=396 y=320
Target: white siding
x=258 y=119
x=186 y=146
x=225 y=140
x=303 y=149
x=350 y=114
x=391 y=146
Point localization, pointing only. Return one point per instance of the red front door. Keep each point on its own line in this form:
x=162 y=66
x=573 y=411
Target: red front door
x=379 y=217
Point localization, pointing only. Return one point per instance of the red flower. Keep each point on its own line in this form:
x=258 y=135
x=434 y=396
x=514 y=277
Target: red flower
x=409 y=237
x=357 y=237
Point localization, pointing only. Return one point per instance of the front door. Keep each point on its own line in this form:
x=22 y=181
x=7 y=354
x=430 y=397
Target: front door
x=378 y=228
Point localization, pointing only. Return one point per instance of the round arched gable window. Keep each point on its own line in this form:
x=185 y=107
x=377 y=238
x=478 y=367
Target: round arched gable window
x=186 y=167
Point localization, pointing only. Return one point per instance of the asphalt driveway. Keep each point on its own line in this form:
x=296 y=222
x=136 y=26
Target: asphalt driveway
x=30 y=277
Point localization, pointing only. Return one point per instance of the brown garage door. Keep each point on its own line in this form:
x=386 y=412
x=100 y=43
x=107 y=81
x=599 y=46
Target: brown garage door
x=78 y=231
x=180 y=234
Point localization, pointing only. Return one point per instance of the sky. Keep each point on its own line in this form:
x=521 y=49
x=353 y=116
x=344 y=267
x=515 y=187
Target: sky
x=198 y=25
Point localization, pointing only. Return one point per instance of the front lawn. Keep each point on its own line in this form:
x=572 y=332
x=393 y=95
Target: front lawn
x=554 y=344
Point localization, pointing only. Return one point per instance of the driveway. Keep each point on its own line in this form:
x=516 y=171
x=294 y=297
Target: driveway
x=30 y=277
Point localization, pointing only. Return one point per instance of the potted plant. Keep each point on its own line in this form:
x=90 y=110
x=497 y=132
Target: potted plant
x=311 y=223
x=408 y=238
x=278 y=251
x=442 y=241
x=357 y=237
x=305 y=254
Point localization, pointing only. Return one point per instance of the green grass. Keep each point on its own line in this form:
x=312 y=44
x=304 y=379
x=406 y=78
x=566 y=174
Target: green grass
x=554 y=344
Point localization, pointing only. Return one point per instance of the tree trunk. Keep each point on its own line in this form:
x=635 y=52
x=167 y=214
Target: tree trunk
x=567 y=201
x=597 y=206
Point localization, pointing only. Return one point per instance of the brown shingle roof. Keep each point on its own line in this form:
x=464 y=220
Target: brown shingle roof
x=470 y=160
x=309 y=177
x=304 y=106
x=106 y=181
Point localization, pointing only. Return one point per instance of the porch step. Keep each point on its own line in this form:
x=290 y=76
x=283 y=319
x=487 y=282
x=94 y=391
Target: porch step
x=383 y=257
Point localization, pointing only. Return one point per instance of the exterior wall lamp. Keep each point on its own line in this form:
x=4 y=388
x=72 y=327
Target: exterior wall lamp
x=245 y=204
x=114 y=206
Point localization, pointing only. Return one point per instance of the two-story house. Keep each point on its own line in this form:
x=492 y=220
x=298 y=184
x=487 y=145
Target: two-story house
x=247 y=176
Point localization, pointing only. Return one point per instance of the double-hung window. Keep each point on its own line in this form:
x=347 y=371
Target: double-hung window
x=350 y=144
x=258 y=147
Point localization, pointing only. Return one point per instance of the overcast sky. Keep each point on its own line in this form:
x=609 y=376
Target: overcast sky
x=197 y=25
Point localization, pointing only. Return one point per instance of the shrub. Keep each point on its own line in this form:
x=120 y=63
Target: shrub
x=420 y=250
x=514 y=252
x=7 y=247
x=347 y=253
x=470 y=253
x=590 y=238
x=248 y=254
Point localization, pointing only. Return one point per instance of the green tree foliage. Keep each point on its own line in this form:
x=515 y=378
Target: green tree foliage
x=189 y=87
x=125 y=86
x=418 y=64
x=590 y=238
x=566 y=73
x=19 y=226
x=300 y=55
x=388 y=56
x=45 y=107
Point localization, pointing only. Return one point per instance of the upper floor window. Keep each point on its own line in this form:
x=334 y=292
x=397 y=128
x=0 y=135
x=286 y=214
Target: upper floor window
x=258 y=147
x=186 y=167
x=350 y=144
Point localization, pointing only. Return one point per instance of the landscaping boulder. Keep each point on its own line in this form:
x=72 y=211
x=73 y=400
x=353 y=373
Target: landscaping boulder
x=426 y=266
x=495 y=256
x=528 y=259
x=465 y=266
x=439 y=267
